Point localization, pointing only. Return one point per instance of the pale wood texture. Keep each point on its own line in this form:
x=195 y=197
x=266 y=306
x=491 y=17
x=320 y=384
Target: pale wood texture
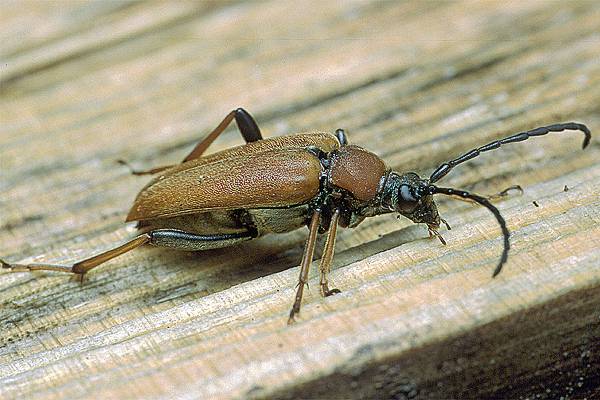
x=85 y=84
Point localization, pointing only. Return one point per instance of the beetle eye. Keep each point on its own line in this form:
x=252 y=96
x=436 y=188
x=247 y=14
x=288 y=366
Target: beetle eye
x=407 y=199
x=406 y=194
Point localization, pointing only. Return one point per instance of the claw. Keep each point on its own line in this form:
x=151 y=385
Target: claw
x=325 y=291
x=518 y=188
x=292 y=318
x=298 y=285
x=134 y=171
x=446 y=223
x=433 y=232
x=14 y=267
x=506 y=191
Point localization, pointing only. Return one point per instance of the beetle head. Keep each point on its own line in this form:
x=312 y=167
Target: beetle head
x=412 y=197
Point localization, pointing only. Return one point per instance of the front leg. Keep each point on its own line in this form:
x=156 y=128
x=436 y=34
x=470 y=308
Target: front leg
x=309 y=250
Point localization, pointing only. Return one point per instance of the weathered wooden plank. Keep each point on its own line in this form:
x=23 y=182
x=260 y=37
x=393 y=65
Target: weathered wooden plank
x=418 y=83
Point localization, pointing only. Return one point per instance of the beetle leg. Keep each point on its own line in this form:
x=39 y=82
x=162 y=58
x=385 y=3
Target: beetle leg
x=341 y=136
x=505 y=192
x=495 y=196
x=160 y=237
x=309 y=250
x=246 y=125
x=325 y=265
x=83 y=266
x=150 y=171
x=182 y=240
x=434 y=233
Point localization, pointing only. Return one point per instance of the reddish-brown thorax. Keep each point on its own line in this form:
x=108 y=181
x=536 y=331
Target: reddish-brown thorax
x=357 y=171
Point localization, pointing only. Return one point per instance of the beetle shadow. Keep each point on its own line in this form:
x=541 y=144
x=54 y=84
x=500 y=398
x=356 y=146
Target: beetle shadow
x=388 y=241
x=273 y=254
x=183 y=276
x=228 y=267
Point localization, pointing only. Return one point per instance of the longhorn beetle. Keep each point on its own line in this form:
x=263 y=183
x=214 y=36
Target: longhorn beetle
x=280 y=184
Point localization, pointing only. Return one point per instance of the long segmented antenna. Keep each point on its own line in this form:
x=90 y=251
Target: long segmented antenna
x=484 y=202
x=443 y=169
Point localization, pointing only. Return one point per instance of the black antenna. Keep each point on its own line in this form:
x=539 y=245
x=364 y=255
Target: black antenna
x=443 y=169
x=484 y=202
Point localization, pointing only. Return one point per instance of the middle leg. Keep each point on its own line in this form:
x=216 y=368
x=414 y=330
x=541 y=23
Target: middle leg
x=309 y=250
x=325 y=265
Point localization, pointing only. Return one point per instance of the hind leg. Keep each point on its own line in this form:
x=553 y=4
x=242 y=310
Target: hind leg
x=83 y=266
x=160 y=237
x=182 y=240
x=246 y=125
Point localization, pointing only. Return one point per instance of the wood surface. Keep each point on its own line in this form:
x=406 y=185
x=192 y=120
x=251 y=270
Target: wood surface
x=83 y=84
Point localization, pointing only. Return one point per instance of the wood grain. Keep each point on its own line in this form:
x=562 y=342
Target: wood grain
x=83 y=84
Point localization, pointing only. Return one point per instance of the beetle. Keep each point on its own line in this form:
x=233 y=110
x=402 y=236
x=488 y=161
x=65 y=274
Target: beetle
x=280 y=184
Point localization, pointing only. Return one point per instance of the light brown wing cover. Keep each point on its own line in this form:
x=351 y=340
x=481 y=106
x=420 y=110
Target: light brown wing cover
x=276 y=172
